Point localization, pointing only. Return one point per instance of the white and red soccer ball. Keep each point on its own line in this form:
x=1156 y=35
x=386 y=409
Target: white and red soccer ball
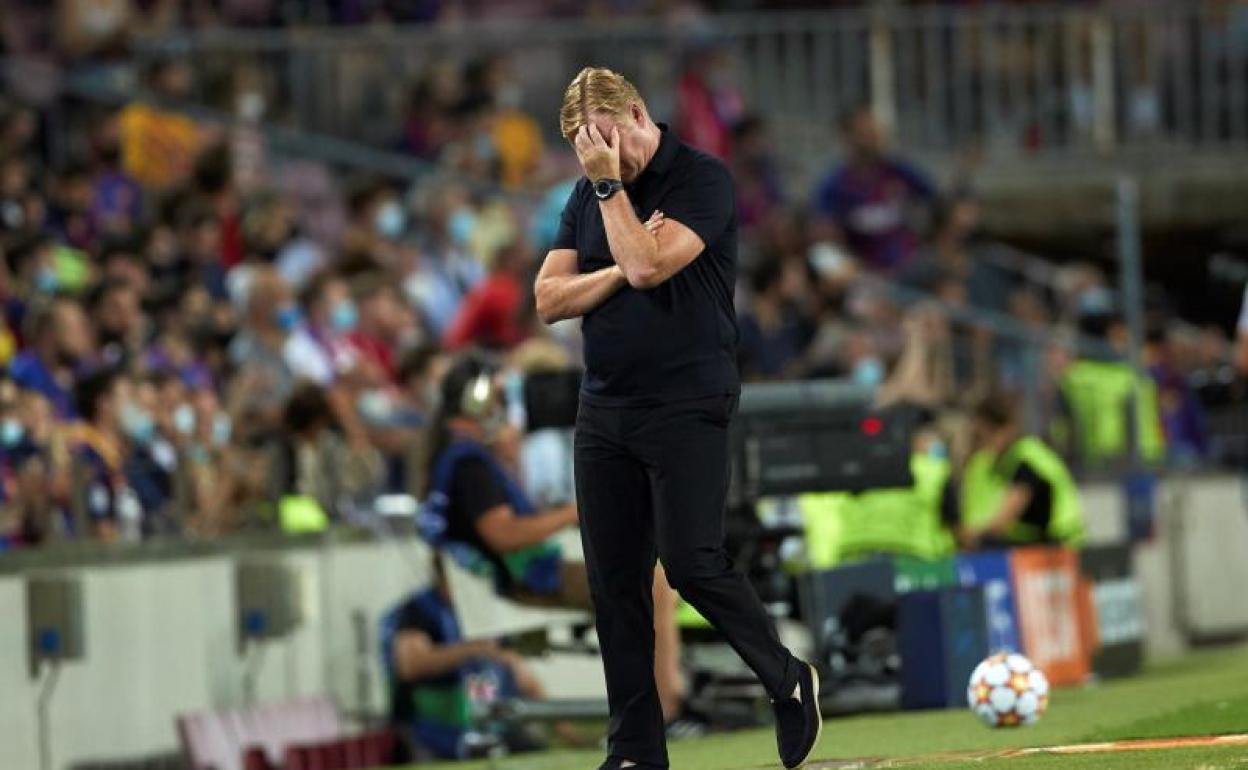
x=1006 y=690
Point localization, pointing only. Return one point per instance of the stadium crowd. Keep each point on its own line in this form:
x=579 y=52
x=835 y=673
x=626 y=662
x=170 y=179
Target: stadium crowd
x=200 y=337
x=95 y=24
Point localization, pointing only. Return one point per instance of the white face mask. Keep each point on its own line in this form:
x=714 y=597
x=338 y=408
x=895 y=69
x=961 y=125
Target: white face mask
x=251 y=106
x=137 y=423
x=184 y=419
x=390 y=220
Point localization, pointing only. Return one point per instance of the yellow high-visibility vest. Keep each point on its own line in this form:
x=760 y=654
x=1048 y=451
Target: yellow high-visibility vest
x=842 y=526
x=986 y=479
x=1098 y=393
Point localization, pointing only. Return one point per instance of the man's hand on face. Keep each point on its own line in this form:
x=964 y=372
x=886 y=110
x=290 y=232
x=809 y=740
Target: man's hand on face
x=599 y=156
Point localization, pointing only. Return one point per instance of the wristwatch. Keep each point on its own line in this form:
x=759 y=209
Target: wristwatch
x=605 y=188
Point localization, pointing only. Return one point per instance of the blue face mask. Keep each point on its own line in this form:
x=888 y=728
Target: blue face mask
x=483 y=146
x=937 y=450
x=461 y=225
x=184 y=419
x=344 y=317
x=221 y=429
x=287 y=318
x=47 y=281
x=390 y=220
x=137 y=424
x=11 y=431
x=869 y=372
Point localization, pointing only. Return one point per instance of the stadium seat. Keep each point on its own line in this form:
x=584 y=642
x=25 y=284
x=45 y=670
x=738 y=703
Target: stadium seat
x=483 y=614
x=306 y=734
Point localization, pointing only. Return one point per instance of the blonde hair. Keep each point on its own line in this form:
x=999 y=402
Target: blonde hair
x=595 y=89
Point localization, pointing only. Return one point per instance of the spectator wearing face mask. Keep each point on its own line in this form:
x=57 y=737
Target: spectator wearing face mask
x=319 y=349
x=448 y=269
x=12 y=432
x=16 y=443
x=397 y=425
x=378 y=223
x=204 y=431
x=151 y=465
x=15 y=187
x=385 y=325
x=200 y=422
x=37 y=267
x=270 y=316
x=34 y=465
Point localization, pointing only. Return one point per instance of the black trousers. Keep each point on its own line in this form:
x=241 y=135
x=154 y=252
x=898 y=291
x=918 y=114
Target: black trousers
x=654 y=480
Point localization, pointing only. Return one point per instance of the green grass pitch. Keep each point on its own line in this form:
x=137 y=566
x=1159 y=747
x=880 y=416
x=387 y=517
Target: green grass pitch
x=1202 y=694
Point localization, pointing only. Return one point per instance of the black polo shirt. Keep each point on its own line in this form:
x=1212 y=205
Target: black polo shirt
x=678 y=340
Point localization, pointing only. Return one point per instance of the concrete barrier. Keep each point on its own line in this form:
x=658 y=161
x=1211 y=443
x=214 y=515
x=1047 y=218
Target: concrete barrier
x=161 y=638
x=161 y=623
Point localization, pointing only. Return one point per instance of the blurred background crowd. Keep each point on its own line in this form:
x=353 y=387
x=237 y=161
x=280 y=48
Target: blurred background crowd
x=119 y=18
x=197 y=328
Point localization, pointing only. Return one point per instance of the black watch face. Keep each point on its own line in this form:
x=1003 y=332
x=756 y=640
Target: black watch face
x=602 y=188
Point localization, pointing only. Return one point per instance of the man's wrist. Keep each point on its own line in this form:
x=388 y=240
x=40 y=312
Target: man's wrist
x=616 y=190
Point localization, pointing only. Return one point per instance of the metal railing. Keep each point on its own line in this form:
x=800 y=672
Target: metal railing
x=1046 y=80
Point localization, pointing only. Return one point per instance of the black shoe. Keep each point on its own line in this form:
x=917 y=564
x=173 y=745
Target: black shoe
x=798 y=722
x=691 y=723
x=615 y=763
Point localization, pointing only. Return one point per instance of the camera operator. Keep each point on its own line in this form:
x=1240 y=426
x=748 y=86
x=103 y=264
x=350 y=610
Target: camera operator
x=473 y=498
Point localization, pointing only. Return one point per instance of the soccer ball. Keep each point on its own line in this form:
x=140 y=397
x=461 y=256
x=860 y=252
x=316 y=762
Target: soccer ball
x=1006 y=690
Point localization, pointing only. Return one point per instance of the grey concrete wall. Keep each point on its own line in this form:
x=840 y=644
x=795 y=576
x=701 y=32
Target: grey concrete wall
x=161 y=639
